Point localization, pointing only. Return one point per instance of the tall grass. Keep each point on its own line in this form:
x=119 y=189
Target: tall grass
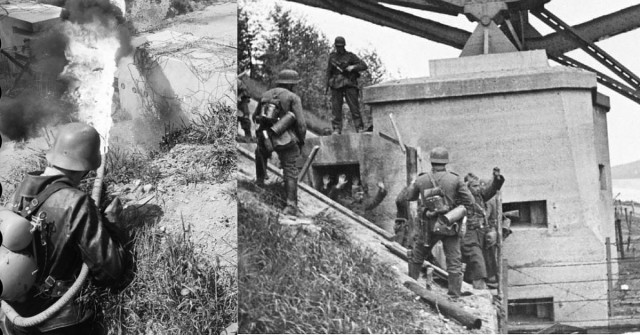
x=294 y=283
x=174 y=291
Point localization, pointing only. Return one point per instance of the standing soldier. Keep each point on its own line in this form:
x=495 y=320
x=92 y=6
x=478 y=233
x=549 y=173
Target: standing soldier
x=490 y=251
x=282 y=128
x=445 y=200
x=343 y=72
x=69 y=230
x=475 y=240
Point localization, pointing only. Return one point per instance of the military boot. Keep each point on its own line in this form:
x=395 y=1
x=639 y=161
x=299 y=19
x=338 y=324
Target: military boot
x=414 y=270
x=455 y=286
x=261 y=171
x=291 y=187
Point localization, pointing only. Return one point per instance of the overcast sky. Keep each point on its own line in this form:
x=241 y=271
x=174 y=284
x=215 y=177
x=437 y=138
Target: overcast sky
x=407 y=56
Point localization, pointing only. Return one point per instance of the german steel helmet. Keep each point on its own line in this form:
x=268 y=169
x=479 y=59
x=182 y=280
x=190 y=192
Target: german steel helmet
x=76 y=148
x=287 y=77
x=439 y=155
x=339 y=41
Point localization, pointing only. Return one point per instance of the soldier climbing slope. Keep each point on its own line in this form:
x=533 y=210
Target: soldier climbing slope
x=282 y=128
x=445 y=201
x=343 y=71
x=475 y=240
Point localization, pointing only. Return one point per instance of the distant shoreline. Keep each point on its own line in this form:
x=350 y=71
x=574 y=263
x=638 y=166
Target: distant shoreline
x=628 y=189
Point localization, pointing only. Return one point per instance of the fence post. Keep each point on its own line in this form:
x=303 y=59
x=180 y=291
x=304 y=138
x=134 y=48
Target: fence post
x=619 y=240
x=504 y=283
x=609 y=279
x=502 y=269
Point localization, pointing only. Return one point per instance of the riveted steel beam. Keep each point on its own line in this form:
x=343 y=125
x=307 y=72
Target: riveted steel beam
x=435 y=6
x=590 y=48
x=594 y=30
x=603 y=79
x=392 y=18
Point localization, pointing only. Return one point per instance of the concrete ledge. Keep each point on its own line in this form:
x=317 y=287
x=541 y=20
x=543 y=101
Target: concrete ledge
x=488 y=63
x=602 y=101
x=480 y=84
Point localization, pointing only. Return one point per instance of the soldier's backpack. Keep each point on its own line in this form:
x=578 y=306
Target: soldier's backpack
x=280 y=136
x=443 y=220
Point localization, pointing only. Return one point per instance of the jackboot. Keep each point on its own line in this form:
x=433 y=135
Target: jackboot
x=261 y=169
x=414 y=270
x=455 y=286
x=291 y=188
x=479 y=284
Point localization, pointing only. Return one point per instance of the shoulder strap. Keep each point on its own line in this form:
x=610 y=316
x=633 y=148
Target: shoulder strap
x=433 y=180
x=36 y=202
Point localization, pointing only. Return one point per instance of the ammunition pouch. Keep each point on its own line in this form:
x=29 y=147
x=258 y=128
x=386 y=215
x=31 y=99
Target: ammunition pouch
x=434 y=200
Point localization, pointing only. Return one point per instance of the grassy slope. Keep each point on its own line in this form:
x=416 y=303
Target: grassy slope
x=295 y=283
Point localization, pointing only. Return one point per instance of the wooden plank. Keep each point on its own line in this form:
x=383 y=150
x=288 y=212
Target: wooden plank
x=446 y=307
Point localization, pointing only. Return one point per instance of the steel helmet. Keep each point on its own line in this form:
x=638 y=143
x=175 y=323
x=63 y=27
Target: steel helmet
x=340 y=41
x=17 y=274
x=439 y=155
x=76 y=148
x=15 y=232
x=287 y=77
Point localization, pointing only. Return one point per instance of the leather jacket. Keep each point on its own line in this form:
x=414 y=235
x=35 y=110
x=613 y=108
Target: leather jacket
x=73 y=232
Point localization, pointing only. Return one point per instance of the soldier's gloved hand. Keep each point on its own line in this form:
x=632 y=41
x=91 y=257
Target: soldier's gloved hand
x=326 y=180
x=430 y=214
x=381 y=185
x=342 y=180
x=399 y=225
x=350 y=68
x=491 y=238
x=112 y=212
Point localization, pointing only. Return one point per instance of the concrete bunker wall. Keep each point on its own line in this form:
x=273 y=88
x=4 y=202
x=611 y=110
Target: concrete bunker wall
x=545 y=127
x=378 y=158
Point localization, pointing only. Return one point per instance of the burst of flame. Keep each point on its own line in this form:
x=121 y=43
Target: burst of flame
x=91 y=53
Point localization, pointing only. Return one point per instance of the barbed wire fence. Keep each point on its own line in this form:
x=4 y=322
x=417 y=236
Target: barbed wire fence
x=620 y=296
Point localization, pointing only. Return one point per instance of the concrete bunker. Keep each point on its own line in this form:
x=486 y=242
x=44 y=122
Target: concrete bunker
x=487 y=111
x=350 y=169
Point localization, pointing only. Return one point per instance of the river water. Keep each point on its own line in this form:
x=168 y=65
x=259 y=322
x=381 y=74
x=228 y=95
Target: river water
x=629 y=189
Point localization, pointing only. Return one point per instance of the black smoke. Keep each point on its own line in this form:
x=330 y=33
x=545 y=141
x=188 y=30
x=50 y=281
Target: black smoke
x=109 y=16
x=23 y=116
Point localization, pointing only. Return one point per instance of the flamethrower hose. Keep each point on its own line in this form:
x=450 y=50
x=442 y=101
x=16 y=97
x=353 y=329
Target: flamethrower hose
x=31 y=321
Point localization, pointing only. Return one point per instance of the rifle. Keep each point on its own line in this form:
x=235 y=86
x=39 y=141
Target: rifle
x=351 y=75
